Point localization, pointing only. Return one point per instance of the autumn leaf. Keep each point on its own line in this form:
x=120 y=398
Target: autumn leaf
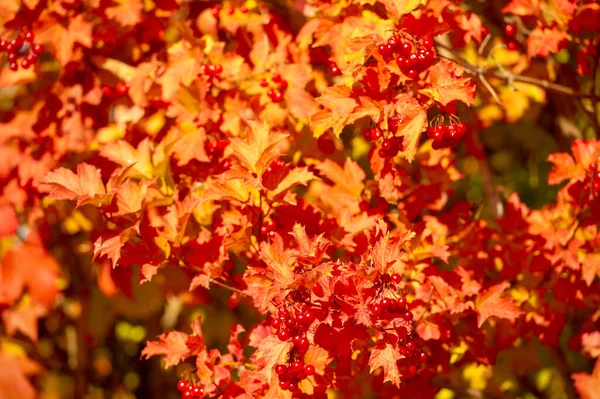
x=490 y=304
x=29 y=266
x=110 y=246
x=448 y=84
x=588 y=385
x=349 y=179
x=14 y=369
x=338 y=109
x=259 y=148
x=10 y=221
x=563 y=168
x=590 y=268
x=126 y=12
x=270 y=352
x=171 y=345
x=85 y=186
x=24 y=318
x=386 y=358
x=545 y=41
x=295 y=177
x=309 y=248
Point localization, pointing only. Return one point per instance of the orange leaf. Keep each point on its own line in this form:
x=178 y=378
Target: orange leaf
x=24 y=318
x=338 y=108
x=449 y=85
x=350 y=179
x=386 y=358
x=13 y=372
x=590 y=268
x=491 y=305
x=85 y=187
x=173 y=345
x=588 y=385
x=29 y=266
x=259 y=148
x=545 y=41
x=126 y=12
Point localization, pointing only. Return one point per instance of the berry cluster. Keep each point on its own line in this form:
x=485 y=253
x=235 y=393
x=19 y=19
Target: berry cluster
x=268 y=228
x=412 y=58
x=390 y=146
x=446 y=135
x=190 y=391
x=510 y=31
x=111 y=94
x=17 y=45
x=229 y=10
x=293 y=325
x=211 y=70
x=277 y=86
x=411 y=347
x=291 y=375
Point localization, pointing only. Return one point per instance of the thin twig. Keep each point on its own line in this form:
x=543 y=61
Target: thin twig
x=489 y=88
x=228 y=287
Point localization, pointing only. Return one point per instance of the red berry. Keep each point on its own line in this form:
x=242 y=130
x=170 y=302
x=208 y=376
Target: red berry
x=407 y=315
x=387 y=145
x=275 y=323
x=297 y=366
x=3 y=44
x=29 y=36
x=326 y=145
x=276 y=96
x=264 y=83
x=484 y=31
x=17 y=43
x=406 y=48
x=375 y=133
x=244 y=9
x=230 y=10
x=411 y=73
x=283 y=85
x=462 y=128
x=385 y=303
x=411 y=371
x=197 y=391
x=396 y=278
x=121 y=88
x=411 y=346
x=510 y=30
x=182 y=385
x=309 y=369
x=401 y=303
x=512 y=45
x=376 y=310
x=441 y=129
x=285 y=385
x=276 y=78
x=280 y=369
x=284 y=334
x=38 y=49
x=187 y=395
x=25 y=64
x=14 y=66
x=12 y=57
x=427 y=42
x=423 y=357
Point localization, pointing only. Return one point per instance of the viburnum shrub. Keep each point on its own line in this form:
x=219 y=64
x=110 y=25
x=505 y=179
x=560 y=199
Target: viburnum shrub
x=334 y=185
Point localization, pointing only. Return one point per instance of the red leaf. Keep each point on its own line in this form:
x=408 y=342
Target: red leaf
x=491 y=305
x=10 y=221
x=13 y=376
x=545 y=41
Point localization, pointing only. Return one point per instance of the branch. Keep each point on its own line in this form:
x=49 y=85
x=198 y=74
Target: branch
x=509 y=77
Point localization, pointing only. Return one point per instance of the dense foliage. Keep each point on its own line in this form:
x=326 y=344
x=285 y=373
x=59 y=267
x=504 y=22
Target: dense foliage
x=310 y=199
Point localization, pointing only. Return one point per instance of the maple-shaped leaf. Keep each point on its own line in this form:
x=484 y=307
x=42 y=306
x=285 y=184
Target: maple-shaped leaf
x=279 y=261
x=339 y=106
x=386 y=358
x=318 y=357
x=126 y=12
x=172 y=345
x=24 y=318
x=388 y=251
x=590 y=268
x=448 y=84
x=545 y=41
x=110 y=246
x=312 y=249
x=270 y=352
x=588 y=385
x=522 y=7
x=490 y=304
x=124 y=154
x=189 y=144
x=413 y=121
x=349 y=180
x=295 y=177
x=184 y=66
x=563 y=169
x=14 y=369
x=259 y=148
x=85 y=186
x=29 y=266
x=61 y=39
